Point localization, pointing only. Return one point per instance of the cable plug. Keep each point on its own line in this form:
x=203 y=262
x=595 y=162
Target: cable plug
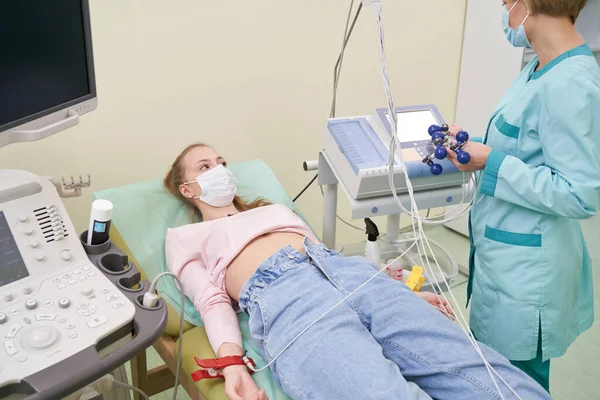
x=150 y=299
x=89 y=393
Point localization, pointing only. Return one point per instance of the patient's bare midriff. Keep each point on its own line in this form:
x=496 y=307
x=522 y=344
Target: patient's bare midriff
x=254 y=254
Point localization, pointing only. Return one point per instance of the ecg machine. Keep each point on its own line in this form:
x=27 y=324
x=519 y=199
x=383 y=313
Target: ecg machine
x=358 y=148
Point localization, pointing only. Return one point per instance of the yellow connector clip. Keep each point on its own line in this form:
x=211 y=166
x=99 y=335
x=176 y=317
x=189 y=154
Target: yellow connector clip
x=416 y=279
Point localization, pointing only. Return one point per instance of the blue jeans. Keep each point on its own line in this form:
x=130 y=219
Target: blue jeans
x=382 y=343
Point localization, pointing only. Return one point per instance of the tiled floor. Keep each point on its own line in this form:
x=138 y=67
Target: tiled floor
x=572 y=376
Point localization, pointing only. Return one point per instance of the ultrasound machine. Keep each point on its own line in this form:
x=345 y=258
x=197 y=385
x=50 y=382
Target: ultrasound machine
x=69 y=312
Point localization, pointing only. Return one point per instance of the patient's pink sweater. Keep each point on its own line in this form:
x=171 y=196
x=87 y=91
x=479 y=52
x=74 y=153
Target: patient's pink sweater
x=200 y=254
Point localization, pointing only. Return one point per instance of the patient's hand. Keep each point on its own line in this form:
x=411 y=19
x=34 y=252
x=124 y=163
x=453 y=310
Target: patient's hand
x=438 y=302
x=240 y=386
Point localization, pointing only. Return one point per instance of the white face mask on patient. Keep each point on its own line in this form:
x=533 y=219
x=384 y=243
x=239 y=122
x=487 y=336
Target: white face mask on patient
x=218 y=185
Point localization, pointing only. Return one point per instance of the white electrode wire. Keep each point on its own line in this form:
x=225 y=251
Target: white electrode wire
x=463 y=206
x=456 y=211
x=462 y=321
x=396 y=145
x=181 y=320
x=422 y=239
x=327 y=312
x=338 y=68
x=122 y=385
x=349 y=28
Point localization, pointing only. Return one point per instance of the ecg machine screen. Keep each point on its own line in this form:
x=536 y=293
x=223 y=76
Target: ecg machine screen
x=12 y=266
x=413 y=125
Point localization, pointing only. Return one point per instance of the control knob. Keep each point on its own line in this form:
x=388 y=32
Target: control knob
x=31 y=304
x=65 y=255
x=64 y=302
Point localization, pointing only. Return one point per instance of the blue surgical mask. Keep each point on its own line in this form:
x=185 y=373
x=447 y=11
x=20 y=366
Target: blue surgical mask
x=516 y=37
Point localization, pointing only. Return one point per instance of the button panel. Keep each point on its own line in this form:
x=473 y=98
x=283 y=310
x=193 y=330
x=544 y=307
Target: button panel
x=39 y=321
x=10 y=347
x=13 y=331
x=43 y=322
x=45 y=317
x=118 y=304
x=97 y=321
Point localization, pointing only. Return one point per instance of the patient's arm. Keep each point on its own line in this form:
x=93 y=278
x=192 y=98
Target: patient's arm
x=222 y=328
x=213 y=304
x=438 y=302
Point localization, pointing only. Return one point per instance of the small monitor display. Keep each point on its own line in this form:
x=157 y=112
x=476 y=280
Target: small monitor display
x=413 y=126
x=12 y=266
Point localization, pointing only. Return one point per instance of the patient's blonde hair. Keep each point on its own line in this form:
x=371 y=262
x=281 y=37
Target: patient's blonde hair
x=174 y=179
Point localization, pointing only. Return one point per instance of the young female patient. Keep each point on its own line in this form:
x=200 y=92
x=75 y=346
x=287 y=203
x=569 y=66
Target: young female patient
x=385 y=342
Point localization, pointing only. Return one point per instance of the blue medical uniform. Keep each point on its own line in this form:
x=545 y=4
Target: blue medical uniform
x=530 y=282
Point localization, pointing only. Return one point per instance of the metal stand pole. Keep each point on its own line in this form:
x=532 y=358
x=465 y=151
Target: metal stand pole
x=330 y=194
x=393 y=227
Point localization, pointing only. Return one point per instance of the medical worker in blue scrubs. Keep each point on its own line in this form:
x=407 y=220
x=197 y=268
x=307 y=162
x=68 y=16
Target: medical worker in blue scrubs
x=530 y=272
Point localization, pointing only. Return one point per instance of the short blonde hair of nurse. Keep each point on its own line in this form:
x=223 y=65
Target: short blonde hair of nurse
x=551 y=8
x=557 y=8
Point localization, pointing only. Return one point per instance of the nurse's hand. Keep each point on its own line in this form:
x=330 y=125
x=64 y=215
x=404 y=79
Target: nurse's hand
x=438 y=302
x=479 y=153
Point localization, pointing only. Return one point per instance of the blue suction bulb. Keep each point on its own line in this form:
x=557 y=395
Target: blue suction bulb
x=463 y=157
x=436 y=169
x=434 y=128
x=437 y=137
x=462 y=137
x=440 y=152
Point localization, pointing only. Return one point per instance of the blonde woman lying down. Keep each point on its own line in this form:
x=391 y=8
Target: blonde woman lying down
x=385 y=342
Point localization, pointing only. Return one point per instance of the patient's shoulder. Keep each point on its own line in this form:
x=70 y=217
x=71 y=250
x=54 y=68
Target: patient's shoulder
x=188 y=230
x=277 y=208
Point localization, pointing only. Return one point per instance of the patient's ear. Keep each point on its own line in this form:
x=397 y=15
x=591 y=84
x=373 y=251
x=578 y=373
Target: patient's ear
x=187 y=192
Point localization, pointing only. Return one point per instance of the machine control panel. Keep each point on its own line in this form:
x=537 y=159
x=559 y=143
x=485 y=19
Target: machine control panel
x=54 y=302
x=69 y=312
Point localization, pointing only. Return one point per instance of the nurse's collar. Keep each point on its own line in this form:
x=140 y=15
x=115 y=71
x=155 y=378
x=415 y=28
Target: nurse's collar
x=583 y=50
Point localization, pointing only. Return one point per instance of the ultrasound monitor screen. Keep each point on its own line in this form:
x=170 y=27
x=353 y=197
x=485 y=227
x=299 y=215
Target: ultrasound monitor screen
x=44 y=64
